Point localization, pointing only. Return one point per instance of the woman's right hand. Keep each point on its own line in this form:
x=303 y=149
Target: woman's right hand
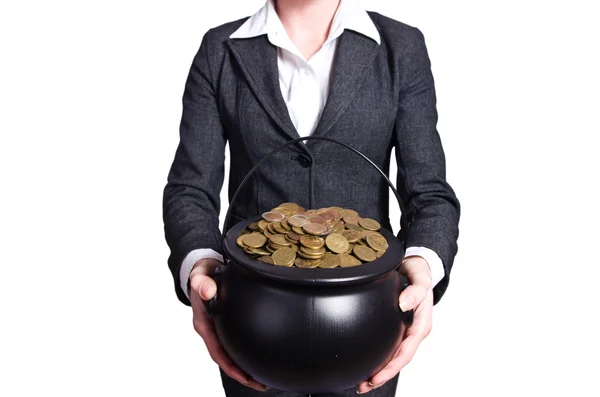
x=203 y=288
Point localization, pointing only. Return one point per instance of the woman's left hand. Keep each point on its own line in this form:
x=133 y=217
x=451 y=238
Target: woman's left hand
x=419 y=297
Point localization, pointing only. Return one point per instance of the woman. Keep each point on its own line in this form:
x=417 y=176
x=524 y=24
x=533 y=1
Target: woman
x=311 y=67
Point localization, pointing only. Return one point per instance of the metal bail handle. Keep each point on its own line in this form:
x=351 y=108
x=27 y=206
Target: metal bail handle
x=291 y=142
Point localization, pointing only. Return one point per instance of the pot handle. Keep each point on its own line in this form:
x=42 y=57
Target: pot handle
x=408 y=316
x=211 y=305
x=288 y=143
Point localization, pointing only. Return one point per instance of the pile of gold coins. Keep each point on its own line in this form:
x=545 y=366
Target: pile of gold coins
x=289 y=235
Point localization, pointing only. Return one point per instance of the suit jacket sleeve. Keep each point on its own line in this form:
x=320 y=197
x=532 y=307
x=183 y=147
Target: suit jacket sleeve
x=191 y=203
x=430 y=208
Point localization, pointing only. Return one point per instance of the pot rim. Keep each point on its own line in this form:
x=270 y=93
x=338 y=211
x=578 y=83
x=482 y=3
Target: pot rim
x=388 y=262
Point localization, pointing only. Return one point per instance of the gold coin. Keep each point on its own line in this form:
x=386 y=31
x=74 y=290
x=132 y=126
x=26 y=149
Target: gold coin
x=254 y=240
x=327 y=216
x=351 y=226
x=240 y=242
x=369 y=224
x=317 y=219
x=327 y=232
x=330 y=261
x=298 y=220
x=284 y=257
x=266 y=259
x=350 y=212
x=349 y=260
x=377 y=243
x=258 y=251
x=291 y=206
x=286 y=212
x=271 y=228
x=245 y=231
x=268 y=234
x=339 y=226
x=315 y=228
x=279 y=239
x=298 y=230
x=262 y=224
x=364 y=253
x=293 y=237
x=337 y=243
x=312 y=241
x=307 y=256
x=313 y=251
x=286 y=225
x=307 y=263
x=351 y=235
x=351 y=219
x=253 y=226
x=380 y=253
x=350 y=247
x=277 y=246
x=273 y=216
x=277 y=226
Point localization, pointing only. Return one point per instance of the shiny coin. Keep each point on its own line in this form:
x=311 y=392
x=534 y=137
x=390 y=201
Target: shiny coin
x=312 y=241
x=254 y=240
x=266 y=259
x=293 y=237
x=350 y=212
x=240 y=242
x=329 y=261
x=349 y=260
x=291 y=206
x=273 y=216
x=307 y=263
x=286 y=225
x=337 y=243
x=279 y=239
x=315 y=228
x=369 y=224
x=377 y=243
x=351 y=226
x=298 y=220
x=380 y=253
x=364 y=253
x=278 y=228
x=262 y=224
x=351 y=235
x=351 y=219
x=258 y=251
x=313 y=251
x=284 y=257
x=317 y=219
x=298 y=230
x=253 y=226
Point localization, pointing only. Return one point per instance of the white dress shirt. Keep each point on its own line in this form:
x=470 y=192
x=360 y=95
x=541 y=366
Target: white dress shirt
x=305 y=87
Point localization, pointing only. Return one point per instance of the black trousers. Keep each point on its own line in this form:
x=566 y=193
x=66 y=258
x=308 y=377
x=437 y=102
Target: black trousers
x=233 y=388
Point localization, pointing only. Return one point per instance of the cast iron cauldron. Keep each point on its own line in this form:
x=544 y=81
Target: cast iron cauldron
x=308 y=330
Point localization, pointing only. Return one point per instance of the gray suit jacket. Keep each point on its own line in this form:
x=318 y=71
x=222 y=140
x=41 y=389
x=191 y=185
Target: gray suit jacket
x=381 y=97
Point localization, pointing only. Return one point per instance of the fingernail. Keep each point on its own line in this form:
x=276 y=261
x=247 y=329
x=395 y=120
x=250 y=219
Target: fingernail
x=206 y=291
x=407 y=303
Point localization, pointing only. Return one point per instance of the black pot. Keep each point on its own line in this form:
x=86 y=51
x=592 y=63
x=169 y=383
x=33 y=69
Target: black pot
x=308 y=330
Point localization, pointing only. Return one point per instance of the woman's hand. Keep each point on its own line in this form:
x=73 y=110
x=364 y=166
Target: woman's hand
x=203 y=288
x=419 y=297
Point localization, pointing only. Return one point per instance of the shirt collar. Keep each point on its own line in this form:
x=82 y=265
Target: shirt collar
x=350 y=15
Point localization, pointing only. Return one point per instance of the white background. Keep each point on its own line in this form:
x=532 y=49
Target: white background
x=90 y=103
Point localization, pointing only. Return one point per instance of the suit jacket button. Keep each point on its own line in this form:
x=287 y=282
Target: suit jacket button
x=304 y=162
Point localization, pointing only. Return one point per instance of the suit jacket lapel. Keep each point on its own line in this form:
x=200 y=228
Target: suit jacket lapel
x=354 y=53
x=257 y=58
